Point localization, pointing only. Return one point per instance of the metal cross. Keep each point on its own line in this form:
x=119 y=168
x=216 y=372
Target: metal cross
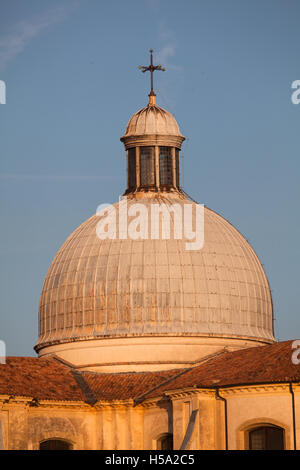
x=151 y=68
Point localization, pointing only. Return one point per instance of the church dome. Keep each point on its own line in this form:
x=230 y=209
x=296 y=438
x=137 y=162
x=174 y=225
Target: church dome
x=116 y=299
x=153 y=291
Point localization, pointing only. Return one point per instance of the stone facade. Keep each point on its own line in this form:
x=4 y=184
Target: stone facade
x=212 y=405
x=120 y=425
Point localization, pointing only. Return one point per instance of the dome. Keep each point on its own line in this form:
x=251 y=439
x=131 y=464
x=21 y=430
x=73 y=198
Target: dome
x=154 y=121
x=136 y=293
x=124 y=304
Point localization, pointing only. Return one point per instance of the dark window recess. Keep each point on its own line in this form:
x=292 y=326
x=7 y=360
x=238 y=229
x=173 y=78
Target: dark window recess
x=177 y=163
x=165 y=166
x=266 y=438
x=132 y=168
x=147 y=166
x=55 y=444
x=165 y=442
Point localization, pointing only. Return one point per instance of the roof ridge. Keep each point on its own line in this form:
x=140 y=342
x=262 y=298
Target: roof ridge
x=84 y=387
x=62 y=361
x=86 y=390
x=205 y=359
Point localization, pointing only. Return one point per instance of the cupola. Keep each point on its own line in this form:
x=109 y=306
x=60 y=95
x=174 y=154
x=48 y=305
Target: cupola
x=153 y=142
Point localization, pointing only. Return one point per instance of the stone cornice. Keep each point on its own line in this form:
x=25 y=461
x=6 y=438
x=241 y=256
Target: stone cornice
x=152 y=140
x=151 y=402
x=30 y=402
x=126 y=336
x=256 y=388
x=185 y=392
x=178 y=394
x=34 y=403
x=120 y=404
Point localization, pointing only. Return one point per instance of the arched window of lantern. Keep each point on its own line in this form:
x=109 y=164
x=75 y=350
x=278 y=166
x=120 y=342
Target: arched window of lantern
x=132 y=168
x=165 y=166
x=147 y=166
x=177 y=166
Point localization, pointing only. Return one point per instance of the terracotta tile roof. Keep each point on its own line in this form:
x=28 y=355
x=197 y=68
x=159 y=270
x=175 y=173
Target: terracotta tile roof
x=40 y=378
x=262 y=364
x=49 y=379
x=125 y=385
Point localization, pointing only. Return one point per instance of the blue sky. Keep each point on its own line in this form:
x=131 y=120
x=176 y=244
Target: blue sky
x=72 y=81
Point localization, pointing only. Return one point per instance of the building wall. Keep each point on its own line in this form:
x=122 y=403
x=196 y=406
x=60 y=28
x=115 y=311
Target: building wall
x=25 y=426
x=195 y=417
x=119 y=426
x=157 y=420
x=250 y=407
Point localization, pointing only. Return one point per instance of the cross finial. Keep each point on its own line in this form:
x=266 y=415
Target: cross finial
x=151 y=68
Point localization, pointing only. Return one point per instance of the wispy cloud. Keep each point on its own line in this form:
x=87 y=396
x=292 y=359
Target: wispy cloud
x=154 y=5
x=166 y=56
x=21 y=33
x=168 y=48
x=165 y=53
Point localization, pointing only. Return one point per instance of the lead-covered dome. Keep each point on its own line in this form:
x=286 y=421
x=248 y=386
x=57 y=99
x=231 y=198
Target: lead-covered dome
x=135 y=304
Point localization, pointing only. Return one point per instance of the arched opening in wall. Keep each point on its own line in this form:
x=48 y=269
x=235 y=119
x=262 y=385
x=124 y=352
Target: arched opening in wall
x=55 y=444
x=266 y=438
x=165 y=442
